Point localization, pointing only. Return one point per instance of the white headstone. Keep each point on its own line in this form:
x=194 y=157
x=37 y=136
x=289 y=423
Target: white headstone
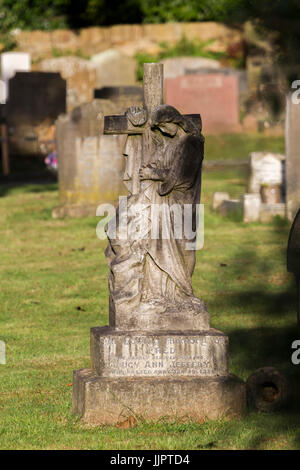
x=251 y=207
x=12 y=62
x=265 y=168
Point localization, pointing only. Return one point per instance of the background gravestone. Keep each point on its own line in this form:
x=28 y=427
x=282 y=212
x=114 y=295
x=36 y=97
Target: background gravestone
x=265 y=169
x=80 y=74
x=90 y=164
x=292 y=140
x=215 y=95
x=36 y=99
x=122 y=96
x=114 y=68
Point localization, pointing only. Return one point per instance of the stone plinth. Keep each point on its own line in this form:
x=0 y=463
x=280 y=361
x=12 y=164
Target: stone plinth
x=103 y=400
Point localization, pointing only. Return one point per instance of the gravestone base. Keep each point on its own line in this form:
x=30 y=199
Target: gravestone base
x=157 y=374
x=106 y=400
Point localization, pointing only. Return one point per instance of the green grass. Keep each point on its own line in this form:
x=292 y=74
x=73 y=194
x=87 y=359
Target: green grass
x=54 y=288
x=239 y=146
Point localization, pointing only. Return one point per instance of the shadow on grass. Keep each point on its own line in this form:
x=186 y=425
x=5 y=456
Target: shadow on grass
x=32 y=187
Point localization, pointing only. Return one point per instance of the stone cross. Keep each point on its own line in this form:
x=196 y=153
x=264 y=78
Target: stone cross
x=139 y=131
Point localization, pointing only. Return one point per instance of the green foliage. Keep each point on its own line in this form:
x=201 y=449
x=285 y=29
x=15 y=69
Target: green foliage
x=184 y=47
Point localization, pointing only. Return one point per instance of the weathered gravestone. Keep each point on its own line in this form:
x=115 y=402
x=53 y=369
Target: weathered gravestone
x=215 y=94
x=292 y=141
x=36 y=99
x=158 y=357
x=122 y=96
x=293 y=257
x=90 y=164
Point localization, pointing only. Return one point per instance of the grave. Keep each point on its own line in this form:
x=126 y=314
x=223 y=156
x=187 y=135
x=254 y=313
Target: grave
x=36 y=99
x=89 y=164
x=114 y=68
x=265 y=197
x=159 y=357
x=122 y=96
x=194 y=92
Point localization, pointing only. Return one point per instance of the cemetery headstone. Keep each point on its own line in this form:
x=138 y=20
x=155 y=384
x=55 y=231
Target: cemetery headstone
x=292 y=157
x=80 y=74
x=12 y=62
x=158 y=357
x=36 y=99
x=266 y=169
x=90 y=164
x=114 y=68
x=122 y=96
x=177 y=66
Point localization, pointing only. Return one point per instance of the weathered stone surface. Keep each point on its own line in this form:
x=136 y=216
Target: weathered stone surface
x=129 y=38
x=265 y=169
x=89 y=164
x=123 y=96
x=159 y=356
x=292 y=157
x=36 y=99
x=218 y=198
x=251 y=207
x=114 y=68
x=195 y=93
x=268 y=211
x=119 y=353
x=230 y=207
x=103 y=400
x=80 y=74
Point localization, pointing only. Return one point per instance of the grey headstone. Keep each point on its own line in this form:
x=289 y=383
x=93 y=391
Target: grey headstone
x=90 y=164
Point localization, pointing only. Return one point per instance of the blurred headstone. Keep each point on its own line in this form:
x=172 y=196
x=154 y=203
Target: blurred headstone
x=114 y=68
x=80 y=74
x=123 y=96
x=215 y=95
x=292 y=141
x=177 y=66
x=90 y=164
x=265 y=169
x=36 y=99
x=12 y=62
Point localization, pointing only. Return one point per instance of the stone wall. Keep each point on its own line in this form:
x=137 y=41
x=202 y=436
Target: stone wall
x=128 y=38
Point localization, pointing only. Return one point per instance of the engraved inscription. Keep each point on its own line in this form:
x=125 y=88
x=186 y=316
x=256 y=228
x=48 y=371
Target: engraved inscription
x=164 y=356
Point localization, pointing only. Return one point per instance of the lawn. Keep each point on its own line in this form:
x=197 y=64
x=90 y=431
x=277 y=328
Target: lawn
x=54 y=288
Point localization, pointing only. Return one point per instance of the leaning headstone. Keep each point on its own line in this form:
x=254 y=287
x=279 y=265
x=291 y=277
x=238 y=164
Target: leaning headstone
x=12 y=62
x=114 y=68
x=89 y=164
x=158 y=357
x=36 y=99
x=122 y=96
x=292 y=157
